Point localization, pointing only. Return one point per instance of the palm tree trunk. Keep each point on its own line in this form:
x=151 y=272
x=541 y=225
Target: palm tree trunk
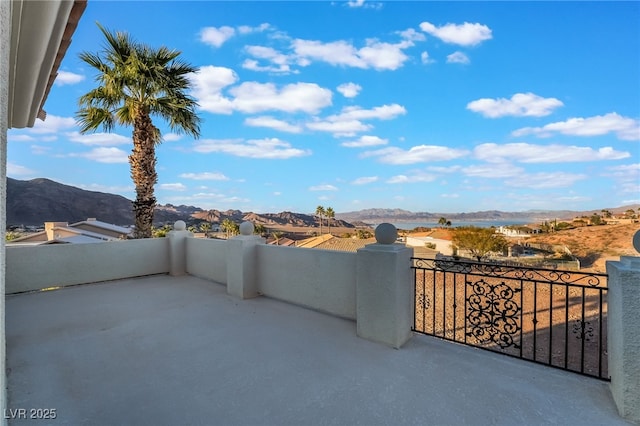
x=143 y=173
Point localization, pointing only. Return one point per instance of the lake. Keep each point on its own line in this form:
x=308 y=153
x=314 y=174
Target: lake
x=479 y=223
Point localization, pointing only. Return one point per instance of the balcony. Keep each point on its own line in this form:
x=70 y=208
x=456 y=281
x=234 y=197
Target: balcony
x=157 y=332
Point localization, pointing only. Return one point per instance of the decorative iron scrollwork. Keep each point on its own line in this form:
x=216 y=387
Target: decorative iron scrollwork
x=583 y=330
x=493 y=313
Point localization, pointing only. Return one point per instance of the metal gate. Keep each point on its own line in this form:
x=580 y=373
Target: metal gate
x=548 y=316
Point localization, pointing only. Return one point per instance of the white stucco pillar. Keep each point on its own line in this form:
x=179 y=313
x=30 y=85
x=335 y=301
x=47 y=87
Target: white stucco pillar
x=623 y=333
x=384 y=289
x=241 y=263
x=5 y=43
x=178 y=249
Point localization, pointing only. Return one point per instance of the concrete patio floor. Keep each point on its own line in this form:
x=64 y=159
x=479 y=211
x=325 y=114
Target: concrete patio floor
x=163 y=350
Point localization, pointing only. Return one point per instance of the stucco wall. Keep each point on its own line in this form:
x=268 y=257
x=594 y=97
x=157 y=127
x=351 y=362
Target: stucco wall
x=320 y=279
x=5 y=42
x=33 y=268
x=207 y=258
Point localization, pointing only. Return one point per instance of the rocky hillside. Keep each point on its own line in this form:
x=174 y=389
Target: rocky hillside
x=41 y=200
x=36 y=201
x=266 y=219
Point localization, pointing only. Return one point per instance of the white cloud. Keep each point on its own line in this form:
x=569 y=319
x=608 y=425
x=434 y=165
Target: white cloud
x=255 y=148
x=520 y=105
x=40 y=149
x=348 y=121
x=99 y=139
x=412 y=178
x=424 y=57
x=625 y=128
x=255 y=97
x=171 y=137
x=493 y=170
x=364 y=180
x=466 y=34
x=349 y=90
x=245 y=29
x=528 y=153
x=416 y=154
x=104 y=155
x=204 y=176
x=384 y=112
x=375 y=54
x=365 y=141
x=362 y=4
x=216 y=36
x=458 y=58
x=627 y=177
x=323 y=188
x=272 y=123
x=16 y=170
x=544 y=180
x=412 y=35
x=53 y=124
x=454 y=195
x=338 y=128
x=270 y=54
x=172 y=187
x=19 y=138
x=208 y=83
x=66 y=77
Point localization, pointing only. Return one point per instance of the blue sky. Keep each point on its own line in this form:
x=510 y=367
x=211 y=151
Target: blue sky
x=426 y=106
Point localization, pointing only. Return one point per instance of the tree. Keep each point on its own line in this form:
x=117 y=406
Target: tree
x=230 y=227
x=606 y=214
x=479 y=241
x=259 y=229
x=135 y=84
x=320 y=213
x=595 y=219
x=442 y=221
x=330 y=216
x=630 y=214
x=205 y=227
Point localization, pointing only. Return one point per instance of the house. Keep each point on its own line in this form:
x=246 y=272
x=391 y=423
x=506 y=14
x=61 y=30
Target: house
x=86 y=231
x=436 y=239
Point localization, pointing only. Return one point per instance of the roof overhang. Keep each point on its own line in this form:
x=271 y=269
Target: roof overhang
x=40 y=35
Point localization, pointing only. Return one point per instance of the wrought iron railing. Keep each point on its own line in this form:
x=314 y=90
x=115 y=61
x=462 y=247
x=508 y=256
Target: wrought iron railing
x=548 y=316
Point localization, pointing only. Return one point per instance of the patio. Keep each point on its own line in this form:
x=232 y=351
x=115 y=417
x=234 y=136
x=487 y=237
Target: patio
x=165 y=350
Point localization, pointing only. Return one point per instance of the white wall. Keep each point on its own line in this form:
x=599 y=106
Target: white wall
x=207 y=258
x=443 y=246
x=320 y=279
x=5 y=42
x=38 y=267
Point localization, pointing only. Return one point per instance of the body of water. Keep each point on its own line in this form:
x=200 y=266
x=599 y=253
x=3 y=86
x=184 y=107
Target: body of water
x=479 y=223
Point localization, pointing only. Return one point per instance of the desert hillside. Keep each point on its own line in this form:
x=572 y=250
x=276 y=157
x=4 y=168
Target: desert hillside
x=594 y=245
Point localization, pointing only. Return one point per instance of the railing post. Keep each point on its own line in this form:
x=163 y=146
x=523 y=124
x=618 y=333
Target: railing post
x=384 y=289
x=241 y=263
x=178 y=248
x=623 y=324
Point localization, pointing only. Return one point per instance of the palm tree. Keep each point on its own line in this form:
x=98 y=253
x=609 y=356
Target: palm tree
x=135 y=84
x=259 y=229
x=320 y=212
x=229 y=226
x=205 y=227
x=330 y=216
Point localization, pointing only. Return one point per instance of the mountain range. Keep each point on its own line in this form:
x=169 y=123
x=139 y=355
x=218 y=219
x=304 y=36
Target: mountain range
x=36 y=201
